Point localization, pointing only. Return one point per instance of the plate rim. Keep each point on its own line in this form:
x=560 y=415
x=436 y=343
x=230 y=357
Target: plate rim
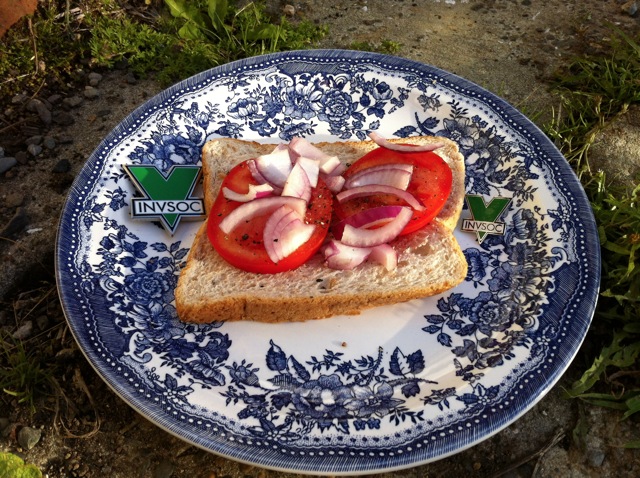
x=155 y=102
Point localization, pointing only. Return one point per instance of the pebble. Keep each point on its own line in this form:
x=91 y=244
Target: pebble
x=29 y=437
x=16 y=224
x=54 y=99
x=164 y=469
x=94 y=78
x=49 y=142
x=34 y=149
x=6 y=163
x=630 y=8
x=62 y=166
x=91 y=92
x=289 y=10
x=19 y=98
x=131 y=78
x=64 y=119
x=13 y=199
x=42 y=322
x=24 y=331
x=1 y=152
x=37 y=139
x=37 y=106
x=73 y=101
x=22 y=157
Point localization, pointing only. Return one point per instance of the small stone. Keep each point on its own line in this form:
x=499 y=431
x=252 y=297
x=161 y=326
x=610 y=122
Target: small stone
x=37 y=139
x=91 y=93
x=131 y=78
x=24 y=331
x=49 y=142
x=289 y=10
x=54 y=99
x=34 y=149
x=29 y=437
x=22 y=157
x=13 y=199
x=42 y=322
x=4 y=423
x=596 y=457
x=16 y=224
x=65 y=139
x=64 y=119
x=1 y=152
x=19 y=98
x=630 y=8
x=6 y=163
x=164 y=469
x=62 y=166
x=37 y=106
x=73 y=101
x=94 y=78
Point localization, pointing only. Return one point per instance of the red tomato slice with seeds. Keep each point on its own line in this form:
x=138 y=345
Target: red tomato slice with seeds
x=244 y=247
x=430 y=183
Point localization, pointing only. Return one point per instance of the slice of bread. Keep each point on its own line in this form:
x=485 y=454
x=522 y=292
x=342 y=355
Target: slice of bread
x=430 y=260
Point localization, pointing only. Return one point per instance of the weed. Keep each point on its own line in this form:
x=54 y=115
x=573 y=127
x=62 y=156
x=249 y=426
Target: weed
x=594 y=91
x=22 y=374
x=388 y=47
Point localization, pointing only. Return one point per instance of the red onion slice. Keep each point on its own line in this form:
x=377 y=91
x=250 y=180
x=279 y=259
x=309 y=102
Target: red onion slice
x=311 y=167
x=259 y=207
x=302 y=147
x=396 y=175
x=361 y=237
x=334 y=183
x=331 y=165
x=284 y=233
x=405 y=148
x=255 y=192
x=275 y=167
x=367 y=218
x=374 y=189
x=297 y=184
x=385 y=255
x=342 y=257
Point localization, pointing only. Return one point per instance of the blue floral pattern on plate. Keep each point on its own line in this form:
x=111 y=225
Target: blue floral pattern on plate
x=392 y=388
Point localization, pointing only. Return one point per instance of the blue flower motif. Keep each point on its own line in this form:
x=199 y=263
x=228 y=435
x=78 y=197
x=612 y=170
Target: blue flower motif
x=525 y=225
x=302 y=101
x=145 y=287
x=166 y=150
x=243 y=374
x=490 y=314
x=381 y=91
x=336 y=108
x=243 y=108
x=324 y=398
x=522 y=281
x=478 y=262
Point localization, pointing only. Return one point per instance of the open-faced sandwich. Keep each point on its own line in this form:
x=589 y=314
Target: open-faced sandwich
x=304 y=231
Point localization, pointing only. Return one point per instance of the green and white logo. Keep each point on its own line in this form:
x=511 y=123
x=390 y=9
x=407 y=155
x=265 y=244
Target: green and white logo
x=484 y=216
x=167 y=198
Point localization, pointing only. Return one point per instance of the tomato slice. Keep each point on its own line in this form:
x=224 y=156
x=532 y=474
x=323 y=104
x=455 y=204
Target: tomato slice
x=244 y=246
x=430 y=183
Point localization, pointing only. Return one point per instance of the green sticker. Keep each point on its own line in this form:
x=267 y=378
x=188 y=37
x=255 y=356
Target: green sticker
x=484 y=216
x=167 y=198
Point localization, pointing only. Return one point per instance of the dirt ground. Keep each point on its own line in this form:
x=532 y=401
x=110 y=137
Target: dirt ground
x=508 y=47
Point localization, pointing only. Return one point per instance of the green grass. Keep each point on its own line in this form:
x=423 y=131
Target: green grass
x=24 y=373
x=593 y=91
x=182 y=39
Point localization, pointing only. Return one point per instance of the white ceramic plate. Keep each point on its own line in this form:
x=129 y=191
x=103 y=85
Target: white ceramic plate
x=395 y=387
